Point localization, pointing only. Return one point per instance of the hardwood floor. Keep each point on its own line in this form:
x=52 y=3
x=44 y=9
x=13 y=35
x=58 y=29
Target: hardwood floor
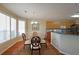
x=14 y=49
x=18 y=49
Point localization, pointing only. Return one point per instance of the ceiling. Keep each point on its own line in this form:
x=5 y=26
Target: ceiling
x=43 y=11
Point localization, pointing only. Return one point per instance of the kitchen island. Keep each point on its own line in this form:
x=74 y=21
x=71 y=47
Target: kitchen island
x=66 y=43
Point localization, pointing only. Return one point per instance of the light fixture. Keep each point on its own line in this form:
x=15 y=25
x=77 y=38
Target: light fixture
x=76 y=15
x=34 y=22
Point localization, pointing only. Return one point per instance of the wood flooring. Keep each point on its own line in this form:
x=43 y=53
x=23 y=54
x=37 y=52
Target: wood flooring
x=18 y=49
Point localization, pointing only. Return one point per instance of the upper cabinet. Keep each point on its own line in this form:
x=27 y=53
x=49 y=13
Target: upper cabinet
x=59 y=24
x=52 y=24
x=48 y=25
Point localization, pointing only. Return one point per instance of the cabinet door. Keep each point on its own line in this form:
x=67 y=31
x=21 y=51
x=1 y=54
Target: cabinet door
x=49 y=25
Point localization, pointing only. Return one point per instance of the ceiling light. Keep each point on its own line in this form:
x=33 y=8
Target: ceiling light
x=75 y=16
x=34 y=22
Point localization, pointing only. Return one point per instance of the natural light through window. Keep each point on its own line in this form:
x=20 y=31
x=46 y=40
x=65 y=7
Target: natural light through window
x=21 y=26
x=4 y=28
x=13 y=27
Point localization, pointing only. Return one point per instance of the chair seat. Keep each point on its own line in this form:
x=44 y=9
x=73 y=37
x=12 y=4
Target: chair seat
x=43 y=41
x=28 y=42
x=37 y=47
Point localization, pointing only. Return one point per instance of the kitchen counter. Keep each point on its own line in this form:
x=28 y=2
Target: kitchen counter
x=66 y=43
x=65 y=31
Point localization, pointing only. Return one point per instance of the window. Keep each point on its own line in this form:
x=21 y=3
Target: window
x=4 y=28
x=21 y=27
x=13 y=27
x=8 y=27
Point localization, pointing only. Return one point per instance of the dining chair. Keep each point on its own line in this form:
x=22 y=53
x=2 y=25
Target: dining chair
x=35 y=34
x=35 y=44
x=24 y=38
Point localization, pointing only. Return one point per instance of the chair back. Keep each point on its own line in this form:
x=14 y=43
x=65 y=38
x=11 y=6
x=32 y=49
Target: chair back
x=35 y=41
x=24 y=36
x=35 y=34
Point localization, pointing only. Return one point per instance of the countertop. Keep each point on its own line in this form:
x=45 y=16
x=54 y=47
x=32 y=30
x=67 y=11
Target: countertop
x=64 y=31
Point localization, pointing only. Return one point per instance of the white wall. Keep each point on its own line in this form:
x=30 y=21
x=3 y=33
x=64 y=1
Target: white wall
x=67 y=44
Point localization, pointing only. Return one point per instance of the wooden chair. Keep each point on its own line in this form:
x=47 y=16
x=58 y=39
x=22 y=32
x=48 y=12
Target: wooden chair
x=35 y=34
x=35 y=44
x=24 y=38
x=43 y=41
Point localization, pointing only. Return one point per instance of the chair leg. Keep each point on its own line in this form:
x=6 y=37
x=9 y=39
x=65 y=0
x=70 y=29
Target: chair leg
x=39 y=51
x=31 y=52
x=46 y=45
x=24 y=46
